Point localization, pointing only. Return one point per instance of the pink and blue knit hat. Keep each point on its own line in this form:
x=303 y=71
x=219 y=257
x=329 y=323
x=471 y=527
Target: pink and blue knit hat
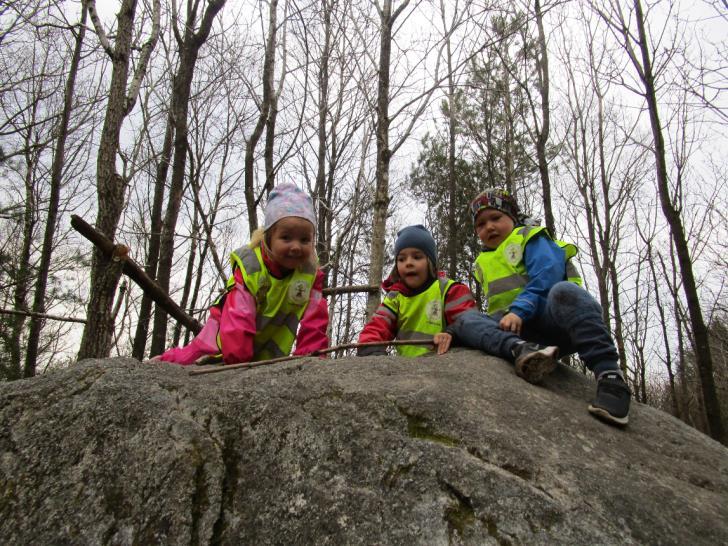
x=288 y=200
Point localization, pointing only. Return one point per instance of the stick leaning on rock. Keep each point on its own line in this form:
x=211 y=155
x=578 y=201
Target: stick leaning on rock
x=245 y=365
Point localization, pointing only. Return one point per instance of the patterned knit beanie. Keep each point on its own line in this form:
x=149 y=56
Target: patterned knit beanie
x=496 y=198
x=417 y=237
x=287 y=200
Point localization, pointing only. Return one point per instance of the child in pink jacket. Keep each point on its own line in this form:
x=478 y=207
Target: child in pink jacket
x=273 y=298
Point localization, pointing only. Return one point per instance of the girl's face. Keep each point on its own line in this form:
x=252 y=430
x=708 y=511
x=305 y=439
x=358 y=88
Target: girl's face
x=493 y=227
x=291 y=241
x=412 y=267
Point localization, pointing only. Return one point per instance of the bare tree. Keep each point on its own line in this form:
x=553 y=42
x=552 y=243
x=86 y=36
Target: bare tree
x=387 y=18
x=39 y=298
x=111 y=187
x=266 y=102
x=542 y=129
x=189 y=43
x=639 y=51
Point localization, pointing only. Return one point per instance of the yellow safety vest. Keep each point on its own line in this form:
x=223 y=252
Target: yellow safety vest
x=280 y=303
x=502 y=272
x=419 y=317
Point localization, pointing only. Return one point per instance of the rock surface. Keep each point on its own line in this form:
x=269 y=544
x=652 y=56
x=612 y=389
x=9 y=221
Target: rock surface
x=381 y=450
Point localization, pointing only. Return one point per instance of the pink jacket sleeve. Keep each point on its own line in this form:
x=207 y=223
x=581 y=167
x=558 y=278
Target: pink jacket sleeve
x=314 y=322
x=237 y=323
x=204 y=343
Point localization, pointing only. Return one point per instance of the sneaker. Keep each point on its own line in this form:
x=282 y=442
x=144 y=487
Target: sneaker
x=612 y=401
x=534 y=361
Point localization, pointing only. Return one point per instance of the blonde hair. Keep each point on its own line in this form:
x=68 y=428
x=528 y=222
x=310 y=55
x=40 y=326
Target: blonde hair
x=261 y=238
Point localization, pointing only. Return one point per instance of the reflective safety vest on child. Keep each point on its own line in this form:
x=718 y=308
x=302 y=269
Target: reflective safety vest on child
x=419 y=317
x=280 y=303
x=502 y=272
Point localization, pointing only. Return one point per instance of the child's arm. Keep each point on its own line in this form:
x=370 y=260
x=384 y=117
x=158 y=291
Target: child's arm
x=381 y=327
x=237 y=323
x=546 y=265
x=204 y=343
x=314 y=322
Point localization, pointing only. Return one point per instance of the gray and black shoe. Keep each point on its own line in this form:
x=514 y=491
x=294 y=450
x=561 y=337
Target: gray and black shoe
x=534 y=361
x=613 y=398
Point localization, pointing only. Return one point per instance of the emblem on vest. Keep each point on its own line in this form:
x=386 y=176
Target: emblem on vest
x=298 y=292
x=433 y=311
x=513 y=253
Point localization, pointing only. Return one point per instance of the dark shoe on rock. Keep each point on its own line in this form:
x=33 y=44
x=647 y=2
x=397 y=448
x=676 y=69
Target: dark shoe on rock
x=534 y=361
x=612 y=401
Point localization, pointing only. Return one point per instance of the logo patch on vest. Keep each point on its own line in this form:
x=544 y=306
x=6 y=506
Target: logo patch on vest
x=298 y=292
x=433 y=311
x=513 y=253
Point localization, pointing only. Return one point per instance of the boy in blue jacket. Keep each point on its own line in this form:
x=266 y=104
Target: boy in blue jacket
x=536 y=306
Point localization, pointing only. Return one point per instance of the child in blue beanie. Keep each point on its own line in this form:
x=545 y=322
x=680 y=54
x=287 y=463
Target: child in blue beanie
x=420 y=302
x=536 y=306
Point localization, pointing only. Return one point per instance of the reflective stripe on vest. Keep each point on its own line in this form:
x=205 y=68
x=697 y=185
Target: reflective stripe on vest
x=418 y=317
x=502 y=272
x=280 y=303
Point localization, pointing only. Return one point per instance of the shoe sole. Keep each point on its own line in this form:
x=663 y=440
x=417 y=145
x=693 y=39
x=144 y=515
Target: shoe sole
x=534 y=366
x=604 y=415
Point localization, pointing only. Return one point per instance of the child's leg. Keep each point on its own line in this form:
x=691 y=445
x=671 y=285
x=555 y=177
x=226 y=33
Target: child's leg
x=532 y=361
x=574 y=315
x=481 y=331
x=573 y=320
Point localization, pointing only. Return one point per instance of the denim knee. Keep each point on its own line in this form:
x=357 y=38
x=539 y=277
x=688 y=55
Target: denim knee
x=569 y=303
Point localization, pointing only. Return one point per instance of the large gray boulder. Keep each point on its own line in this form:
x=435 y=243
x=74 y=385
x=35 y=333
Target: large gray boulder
x=380 y=450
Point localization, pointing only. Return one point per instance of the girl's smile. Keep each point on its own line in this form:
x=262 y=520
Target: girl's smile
x=291 y=241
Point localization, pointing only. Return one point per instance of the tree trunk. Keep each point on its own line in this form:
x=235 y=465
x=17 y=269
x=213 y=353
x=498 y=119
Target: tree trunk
x=189 y=45
x=110 y=186
x=453 y=214
x=31 y=355
x=150 y=266
x=676 y=409
x=543 y=135
x=323 y=206
x=180 y=106
x=381 y=195
x=189 y=273
x=703 y=355
x=23 y=272
x=251 y=142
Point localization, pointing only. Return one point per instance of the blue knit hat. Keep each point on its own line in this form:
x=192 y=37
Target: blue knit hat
x=417 y=237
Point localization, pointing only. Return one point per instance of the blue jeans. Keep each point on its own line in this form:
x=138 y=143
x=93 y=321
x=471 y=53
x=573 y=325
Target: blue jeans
x=572 y=320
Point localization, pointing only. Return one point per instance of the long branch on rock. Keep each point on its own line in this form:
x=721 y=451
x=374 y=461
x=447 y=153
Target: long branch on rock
x=134 y=272
x=246 y=365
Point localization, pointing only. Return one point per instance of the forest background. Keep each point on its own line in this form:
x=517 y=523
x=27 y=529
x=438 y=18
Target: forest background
x=166 y=124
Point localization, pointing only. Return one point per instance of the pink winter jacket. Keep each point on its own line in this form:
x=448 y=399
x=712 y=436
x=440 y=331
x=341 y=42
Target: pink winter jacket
x=235 y=323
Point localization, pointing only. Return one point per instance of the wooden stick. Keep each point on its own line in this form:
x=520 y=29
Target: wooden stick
x=136 y=273
x=247 y=365
x=41 y=315
x=348 y=289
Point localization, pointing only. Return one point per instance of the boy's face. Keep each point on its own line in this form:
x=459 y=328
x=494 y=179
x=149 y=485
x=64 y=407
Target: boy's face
x=412 y=267
x=493 y=227
x=291 y=241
